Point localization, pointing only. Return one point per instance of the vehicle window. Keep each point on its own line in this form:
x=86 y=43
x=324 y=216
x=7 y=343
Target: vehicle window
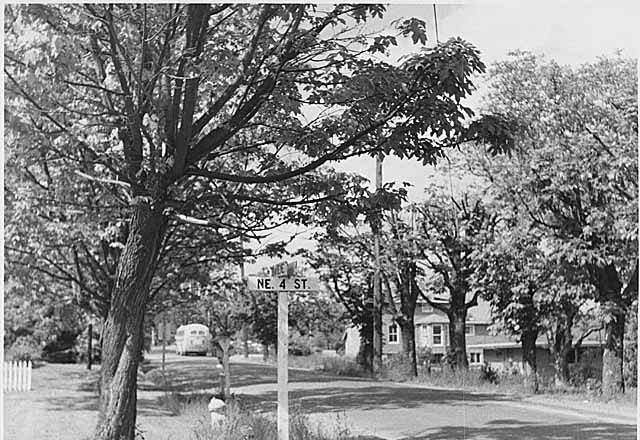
x=193 y=332
x=180 y=332
x=201 y=332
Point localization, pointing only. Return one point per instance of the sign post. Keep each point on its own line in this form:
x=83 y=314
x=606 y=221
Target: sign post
x=283 y=365
x=282 y=282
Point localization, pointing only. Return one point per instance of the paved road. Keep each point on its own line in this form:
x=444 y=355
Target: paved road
x=63 y=406
x=395 y=411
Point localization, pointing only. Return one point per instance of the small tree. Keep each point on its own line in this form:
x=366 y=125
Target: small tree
x=226 y=308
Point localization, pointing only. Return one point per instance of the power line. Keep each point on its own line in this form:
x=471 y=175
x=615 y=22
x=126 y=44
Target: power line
x=435 y=19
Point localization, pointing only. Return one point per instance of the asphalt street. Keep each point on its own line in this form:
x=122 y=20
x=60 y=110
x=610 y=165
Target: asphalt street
x=399 y=411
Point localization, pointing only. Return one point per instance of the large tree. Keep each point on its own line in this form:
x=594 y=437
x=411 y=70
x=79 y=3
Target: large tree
x=532 y=294
x=177 y=109
x=453 y=233
x=574 y=173
x=344 y=263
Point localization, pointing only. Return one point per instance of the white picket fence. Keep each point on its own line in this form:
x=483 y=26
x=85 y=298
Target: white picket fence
x=16 y=376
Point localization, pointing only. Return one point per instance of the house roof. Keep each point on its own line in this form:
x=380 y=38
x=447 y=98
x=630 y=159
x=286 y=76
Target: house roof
x=480 y=314
x=503 y=341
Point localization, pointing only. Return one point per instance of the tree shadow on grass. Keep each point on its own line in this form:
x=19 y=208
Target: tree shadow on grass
x=73 y=403
x=515 y=429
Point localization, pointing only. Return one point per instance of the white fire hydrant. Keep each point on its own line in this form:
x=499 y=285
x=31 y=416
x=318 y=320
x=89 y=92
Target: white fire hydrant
x=216 y=408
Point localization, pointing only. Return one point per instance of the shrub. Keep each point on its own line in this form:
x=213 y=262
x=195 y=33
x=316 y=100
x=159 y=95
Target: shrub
x=397 y=367
x=179 y=404
x=488 y=374
x=425 y=356
x=298 y=349
x=342 y=367
x=25 y=348
x=81 y=347
x=61 y=348
x=582 y=372
x=242 y=424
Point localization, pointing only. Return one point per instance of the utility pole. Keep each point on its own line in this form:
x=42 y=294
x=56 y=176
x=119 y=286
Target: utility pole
x=377 y=284
x=164 y=339
x=89 y=345
x=245 y=326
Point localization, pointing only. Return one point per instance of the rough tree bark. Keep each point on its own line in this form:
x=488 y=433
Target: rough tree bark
x=529 y=361
x=408 y=290
x=123 y=330
x=609 y=287
x=408 y=336
x=364 y=357
x=225 y=345
x=457 y=336
x=612 y=357
x=560 y=347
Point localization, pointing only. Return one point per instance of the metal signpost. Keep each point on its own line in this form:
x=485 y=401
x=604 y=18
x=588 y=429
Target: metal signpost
x=282 y=282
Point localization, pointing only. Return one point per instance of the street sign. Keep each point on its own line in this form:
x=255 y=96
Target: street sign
x=293 y=284
x=283 y=280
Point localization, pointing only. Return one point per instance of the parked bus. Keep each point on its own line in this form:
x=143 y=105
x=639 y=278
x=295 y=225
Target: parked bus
x=193 y=338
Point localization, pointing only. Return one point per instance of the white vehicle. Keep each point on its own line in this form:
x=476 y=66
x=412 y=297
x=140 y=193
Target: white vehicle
x=193 y=338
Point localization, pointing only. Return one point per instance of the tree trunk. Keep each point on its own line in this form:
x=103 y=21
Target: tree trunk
x=458 y=339
x=123 y=332
x=561 y=366
x=225 y=344
x=610 y=294
x=529 y=359
x=245 y=340
x=365 y=353
x=89 y=346
x=408 y=335
x=612 y=361
x=265 y=352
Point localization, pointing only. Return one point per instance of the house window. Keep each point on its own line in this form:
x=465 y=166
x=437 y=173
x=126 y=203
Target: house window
x=426 y=308
x=437 y=335
x=474 y=358
x=393 y=334
x=468 y=329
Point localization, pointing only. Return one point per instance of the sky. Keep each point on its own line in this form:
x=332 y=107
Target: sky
x=570 y=32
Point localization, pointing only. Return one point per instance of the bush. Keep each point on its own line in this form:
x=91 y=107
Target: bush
x=425 y=357
x=25 y=348
x=397 y=367
x=582 y=372
x=488 y=374
x=81 y=347
x=342 y=367
x=242 y=424
x=298 y=349
x=62 y=348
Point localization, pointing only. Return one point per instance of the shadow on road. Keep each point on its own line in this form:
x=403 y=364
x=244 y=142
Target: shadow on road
x=514 y=429
x=194 y=374
x=337 y=399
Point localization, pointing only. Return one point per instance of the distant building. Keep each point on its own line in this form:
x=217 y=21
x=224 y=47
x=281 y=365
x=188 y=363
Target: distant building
x=432 y=330
x=499 y=351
